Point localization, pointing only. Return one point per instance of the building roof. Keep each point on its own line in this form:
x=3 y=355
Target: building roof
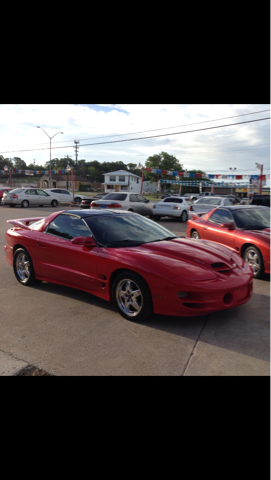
x=121 y=172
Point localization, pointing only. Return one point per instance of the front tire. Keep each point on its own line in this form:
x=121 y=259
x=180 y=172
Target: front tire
x=254 y=258
x=23 y=267
x=25 y=204
x=132 y=297
x=54 y=203
x=195 y=234
x=77 y=200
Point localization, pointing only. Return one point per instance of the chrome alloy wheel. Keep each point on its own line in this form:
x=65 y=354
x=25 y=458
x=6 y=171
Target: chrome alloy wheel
x=252 y=256
x=23 y=267
x=129 y=297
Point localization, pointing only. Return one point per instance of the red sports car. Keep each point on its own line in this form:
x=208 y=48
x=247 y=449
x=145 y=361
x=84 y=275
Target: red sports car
x=122 y=256
x=245 y=229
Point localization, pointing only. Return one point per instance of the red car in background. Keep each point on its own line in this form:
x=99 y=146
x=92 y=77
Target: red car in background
x=2 y=191
x=245 y=229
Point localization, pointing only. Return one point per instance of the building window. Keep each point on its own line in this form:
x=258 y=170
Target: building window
x=112 y=178
x=137 y=180
x=123 y=187
x=110 y=187
x=121 y=178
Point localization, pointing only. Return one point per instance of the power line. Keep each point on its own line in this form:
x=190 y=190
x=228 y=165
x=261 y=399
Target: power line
x=142 y=138
x=162 y=128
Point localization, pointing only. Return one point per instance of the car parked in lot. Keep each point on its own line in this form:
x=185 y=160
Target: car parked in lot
x=2 y=191
x=263 y=200
x=133 y=202
x=122 y=256
x=245 y=229
x=85 y=203
x=176 y=207
x=26 y=197
x=205 y=204
x=64 y=196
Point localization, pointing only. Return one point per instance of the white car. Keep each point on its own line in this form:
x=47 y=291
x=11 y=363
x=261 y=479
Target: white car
x=205 y=204
x=176 y=207
x=133 y=202
x=26 y=197
x=65 y=196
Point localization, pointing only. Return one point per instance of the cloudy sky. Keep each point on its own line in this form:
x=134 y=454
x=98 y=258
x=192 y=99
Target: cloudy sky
x=195 y=143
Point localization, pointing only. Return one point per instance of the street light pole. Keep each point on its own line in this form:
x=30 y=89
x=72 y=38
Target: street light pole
x=50 y=174
x=10 y=175
x=71 y=169
x=231 y=187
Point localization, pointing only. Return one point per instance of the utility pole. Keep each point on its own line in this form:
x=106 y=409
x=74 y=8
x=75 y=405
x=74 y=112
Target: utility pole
x=76 y=151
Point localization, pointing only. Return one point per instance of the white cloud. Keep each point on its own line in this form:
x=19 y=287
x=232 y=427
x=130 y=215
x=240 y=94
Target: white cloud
x=211 y=150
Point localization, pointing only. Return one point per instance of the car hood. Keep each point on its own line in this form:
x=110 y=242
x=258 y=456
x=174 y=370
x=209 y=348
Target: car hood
x=199 y=259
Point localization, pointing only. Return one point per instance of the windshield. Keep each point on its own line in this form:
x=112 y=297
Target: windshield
x=121 y=229
x=15 y=190
x=252 y=218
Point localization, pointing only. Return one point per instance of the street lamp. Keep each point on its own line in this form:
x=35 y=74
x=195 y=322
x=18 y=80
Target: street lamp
x=50 y=174
x=10 y=174
x=71 y=169
x=143 y=168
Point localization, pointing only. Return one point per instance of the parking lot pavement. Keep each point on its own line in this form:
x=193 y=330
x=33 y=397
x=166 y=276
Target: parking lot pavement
x=69 y=332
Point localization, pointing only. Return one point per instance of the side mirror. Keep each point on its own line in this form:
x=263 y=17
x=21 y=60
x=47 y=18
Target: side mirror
x=86 y=241
x=229 y=226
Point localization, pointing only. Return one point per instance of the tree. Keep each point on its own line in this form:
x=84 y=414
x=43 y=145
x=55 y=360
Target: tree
x=19 y=164
x=162 y=161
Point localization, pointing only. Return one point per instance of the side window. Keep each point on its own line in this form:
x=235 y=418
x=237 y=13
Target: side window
x=68 y=226
x=65 y=192
x=141 y=198
x=133 y=198
x=227 y=202
x=41 y=192
x=30 y=192
x=221 y=216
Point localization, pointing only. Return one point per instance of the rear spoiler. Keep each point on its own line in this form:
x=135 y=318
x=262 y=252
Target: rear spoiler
x=24 y=222
x=196 y=214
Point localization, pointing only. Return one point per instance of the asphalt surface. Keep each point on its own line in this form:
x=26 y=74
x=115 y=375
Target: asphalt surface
x=66 y=332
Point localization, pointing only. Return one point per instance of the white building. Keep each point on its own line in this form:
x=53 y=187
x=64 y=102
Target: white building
x=121 y=181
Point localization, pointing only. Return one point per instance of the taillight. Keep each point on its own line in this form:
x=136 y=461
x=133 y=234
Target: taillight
x=93 y=204
x=114 y=205
x=191 y=209
x=15 y=196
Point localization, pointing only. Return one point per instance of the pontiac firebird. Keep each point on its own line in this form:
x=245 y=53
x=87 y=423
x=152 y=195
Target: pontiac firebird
x=130 y=260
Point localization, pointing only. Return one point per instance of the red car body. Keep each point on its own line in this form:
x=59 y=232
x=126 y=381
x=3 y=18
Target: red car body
x=2 y=191
x=184 y=277
x=237 y=239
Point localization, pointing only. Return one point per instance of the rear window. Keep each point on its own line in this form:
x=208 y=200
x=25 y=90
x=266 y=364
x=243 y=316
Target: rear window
x=115 y=196
x=174 y=200
x=16 y=190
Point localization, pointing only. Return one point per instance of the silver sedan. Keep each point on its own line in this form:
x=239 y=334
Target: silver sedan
x=205 y=204
x=28 y=196
x=176 y=207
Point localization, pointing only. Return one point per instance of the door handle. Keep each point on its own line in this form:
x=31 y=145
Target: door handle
x=41 y=245
x=205 y=228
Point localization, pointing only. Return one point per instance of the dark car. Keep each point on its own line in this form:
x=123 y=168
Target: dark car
x=2 y=191
x=85 y=203
x=263 y=200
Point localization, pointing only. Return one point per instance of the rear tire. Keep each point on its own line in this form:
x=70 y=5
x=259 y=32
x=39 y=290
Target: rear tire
x=25 y=204
x=77 y=200
x=183 y=216
x=23 y=267
x=132 y=297
x=54 y=203
x=156 y=217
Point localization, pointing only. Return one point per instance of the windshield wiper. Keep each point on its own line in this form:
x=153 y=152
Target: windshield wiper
x=163 y=239
x=255 y=227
